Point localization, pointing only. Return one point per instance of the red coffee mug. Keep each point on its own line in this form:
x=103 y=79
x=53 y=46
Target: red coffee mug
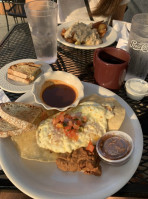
x=110 y=66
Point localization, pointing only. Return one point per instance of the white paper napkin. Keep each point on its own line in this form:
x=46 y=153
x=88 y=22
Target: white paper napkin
x=3 y=98
x=122 y=28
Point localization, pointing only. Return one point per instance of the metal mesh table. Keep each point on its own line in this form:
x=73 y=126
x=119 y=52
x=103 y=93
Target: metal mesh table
x=18 y=45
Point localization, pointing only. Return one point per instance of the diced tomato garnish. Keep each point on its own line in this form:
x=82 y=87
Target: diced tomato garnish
x=54 y=121
x=67 y=133
x=61 y=117
x=79 y=122
x=75 y=126
x=67 y=116
x=69 y=124
x=90 y=147
x=57 y=120
x=67 y=128
x=73 y=135
x=59 y=125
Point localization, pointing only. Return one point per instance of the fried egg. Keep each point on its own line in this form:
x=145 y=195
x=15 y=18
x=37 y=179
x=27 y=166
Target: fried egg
x=54 y=139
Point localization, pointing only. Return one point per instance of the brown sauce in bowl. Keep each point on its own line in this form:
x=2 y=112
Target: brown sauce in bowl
x=114 y=147
x=56 y=93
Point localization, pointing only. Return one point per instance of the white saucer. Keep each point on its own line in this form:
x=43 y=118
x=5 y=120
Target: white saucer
x=16 y=87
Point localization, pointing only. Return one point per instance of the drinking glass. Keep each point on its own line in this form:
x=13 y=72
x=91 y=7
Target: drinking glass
x=42 y=20
x=138 y=47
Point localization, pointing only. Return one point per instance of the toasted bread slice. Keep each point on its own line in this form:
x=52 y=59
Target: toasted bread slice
x=21 y=115
x=27 y=70
x=7 y=129
x=19 y=79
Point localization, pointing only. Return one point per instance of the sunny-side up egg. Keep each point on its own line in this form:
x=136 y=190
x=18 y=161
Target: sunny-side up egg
x=73 y=129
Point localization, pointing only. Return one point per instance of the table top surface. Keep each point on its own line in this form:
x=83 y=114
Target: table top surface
x=18 y=45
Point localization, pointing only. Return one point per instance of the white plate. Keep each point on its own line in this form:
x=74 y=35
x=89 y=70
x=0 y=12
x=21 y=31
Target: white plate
x=108 y=39
x=44 y=180
x=18 y=87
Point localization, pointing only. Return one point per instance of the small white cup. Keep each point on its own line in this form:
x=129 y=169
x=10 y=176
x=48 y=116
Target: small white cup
x=65 y=77
x=136 y=89
x=104 y=148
